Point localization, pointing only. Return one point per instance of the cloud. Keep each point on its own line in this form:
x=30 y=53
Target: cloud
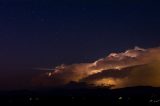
x=141 y=75
x=134 y=67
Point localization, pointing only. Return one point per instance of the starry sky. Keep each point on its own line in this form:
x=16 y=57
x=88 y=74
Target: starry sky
x=47 y=33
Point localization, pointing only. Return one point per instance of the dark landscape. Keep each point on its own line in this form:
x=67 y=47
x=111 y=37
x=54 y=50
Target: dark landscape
x=60 y=96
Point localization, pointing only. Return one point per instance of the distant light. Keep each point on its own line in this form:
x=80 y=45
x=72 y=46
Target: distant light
x=150 y=100
x=30 y=99
x=49 y=74
x=120 y=98
x=154 y=101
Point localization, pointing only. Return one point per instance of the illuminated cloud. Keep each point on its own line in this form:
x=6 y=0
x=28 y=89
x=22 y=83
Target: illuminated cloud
x=134 y=67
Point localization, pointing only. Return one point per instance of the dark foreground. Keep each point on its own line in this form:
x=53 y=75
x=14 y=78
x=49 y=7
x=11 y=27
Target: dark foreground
x=51 y=97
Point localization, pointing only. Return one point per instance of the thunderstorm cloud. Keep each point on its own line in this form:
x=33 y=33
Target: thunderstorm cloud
x=134 y=67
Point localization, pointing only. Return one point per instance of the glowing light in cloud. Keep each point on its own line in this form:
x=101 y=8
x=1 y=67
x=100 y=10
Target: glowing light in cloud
x=123 y=69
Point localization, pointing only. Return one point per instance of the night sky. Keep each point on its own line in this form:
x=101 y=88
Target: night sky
x=45 y=33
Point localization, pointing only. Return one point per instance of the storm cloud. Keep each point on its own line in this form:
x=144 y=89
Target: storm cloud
x=134 y=67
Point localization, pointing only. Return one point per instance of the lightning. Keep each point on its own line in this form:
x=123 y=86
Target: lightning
x=115 y=69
